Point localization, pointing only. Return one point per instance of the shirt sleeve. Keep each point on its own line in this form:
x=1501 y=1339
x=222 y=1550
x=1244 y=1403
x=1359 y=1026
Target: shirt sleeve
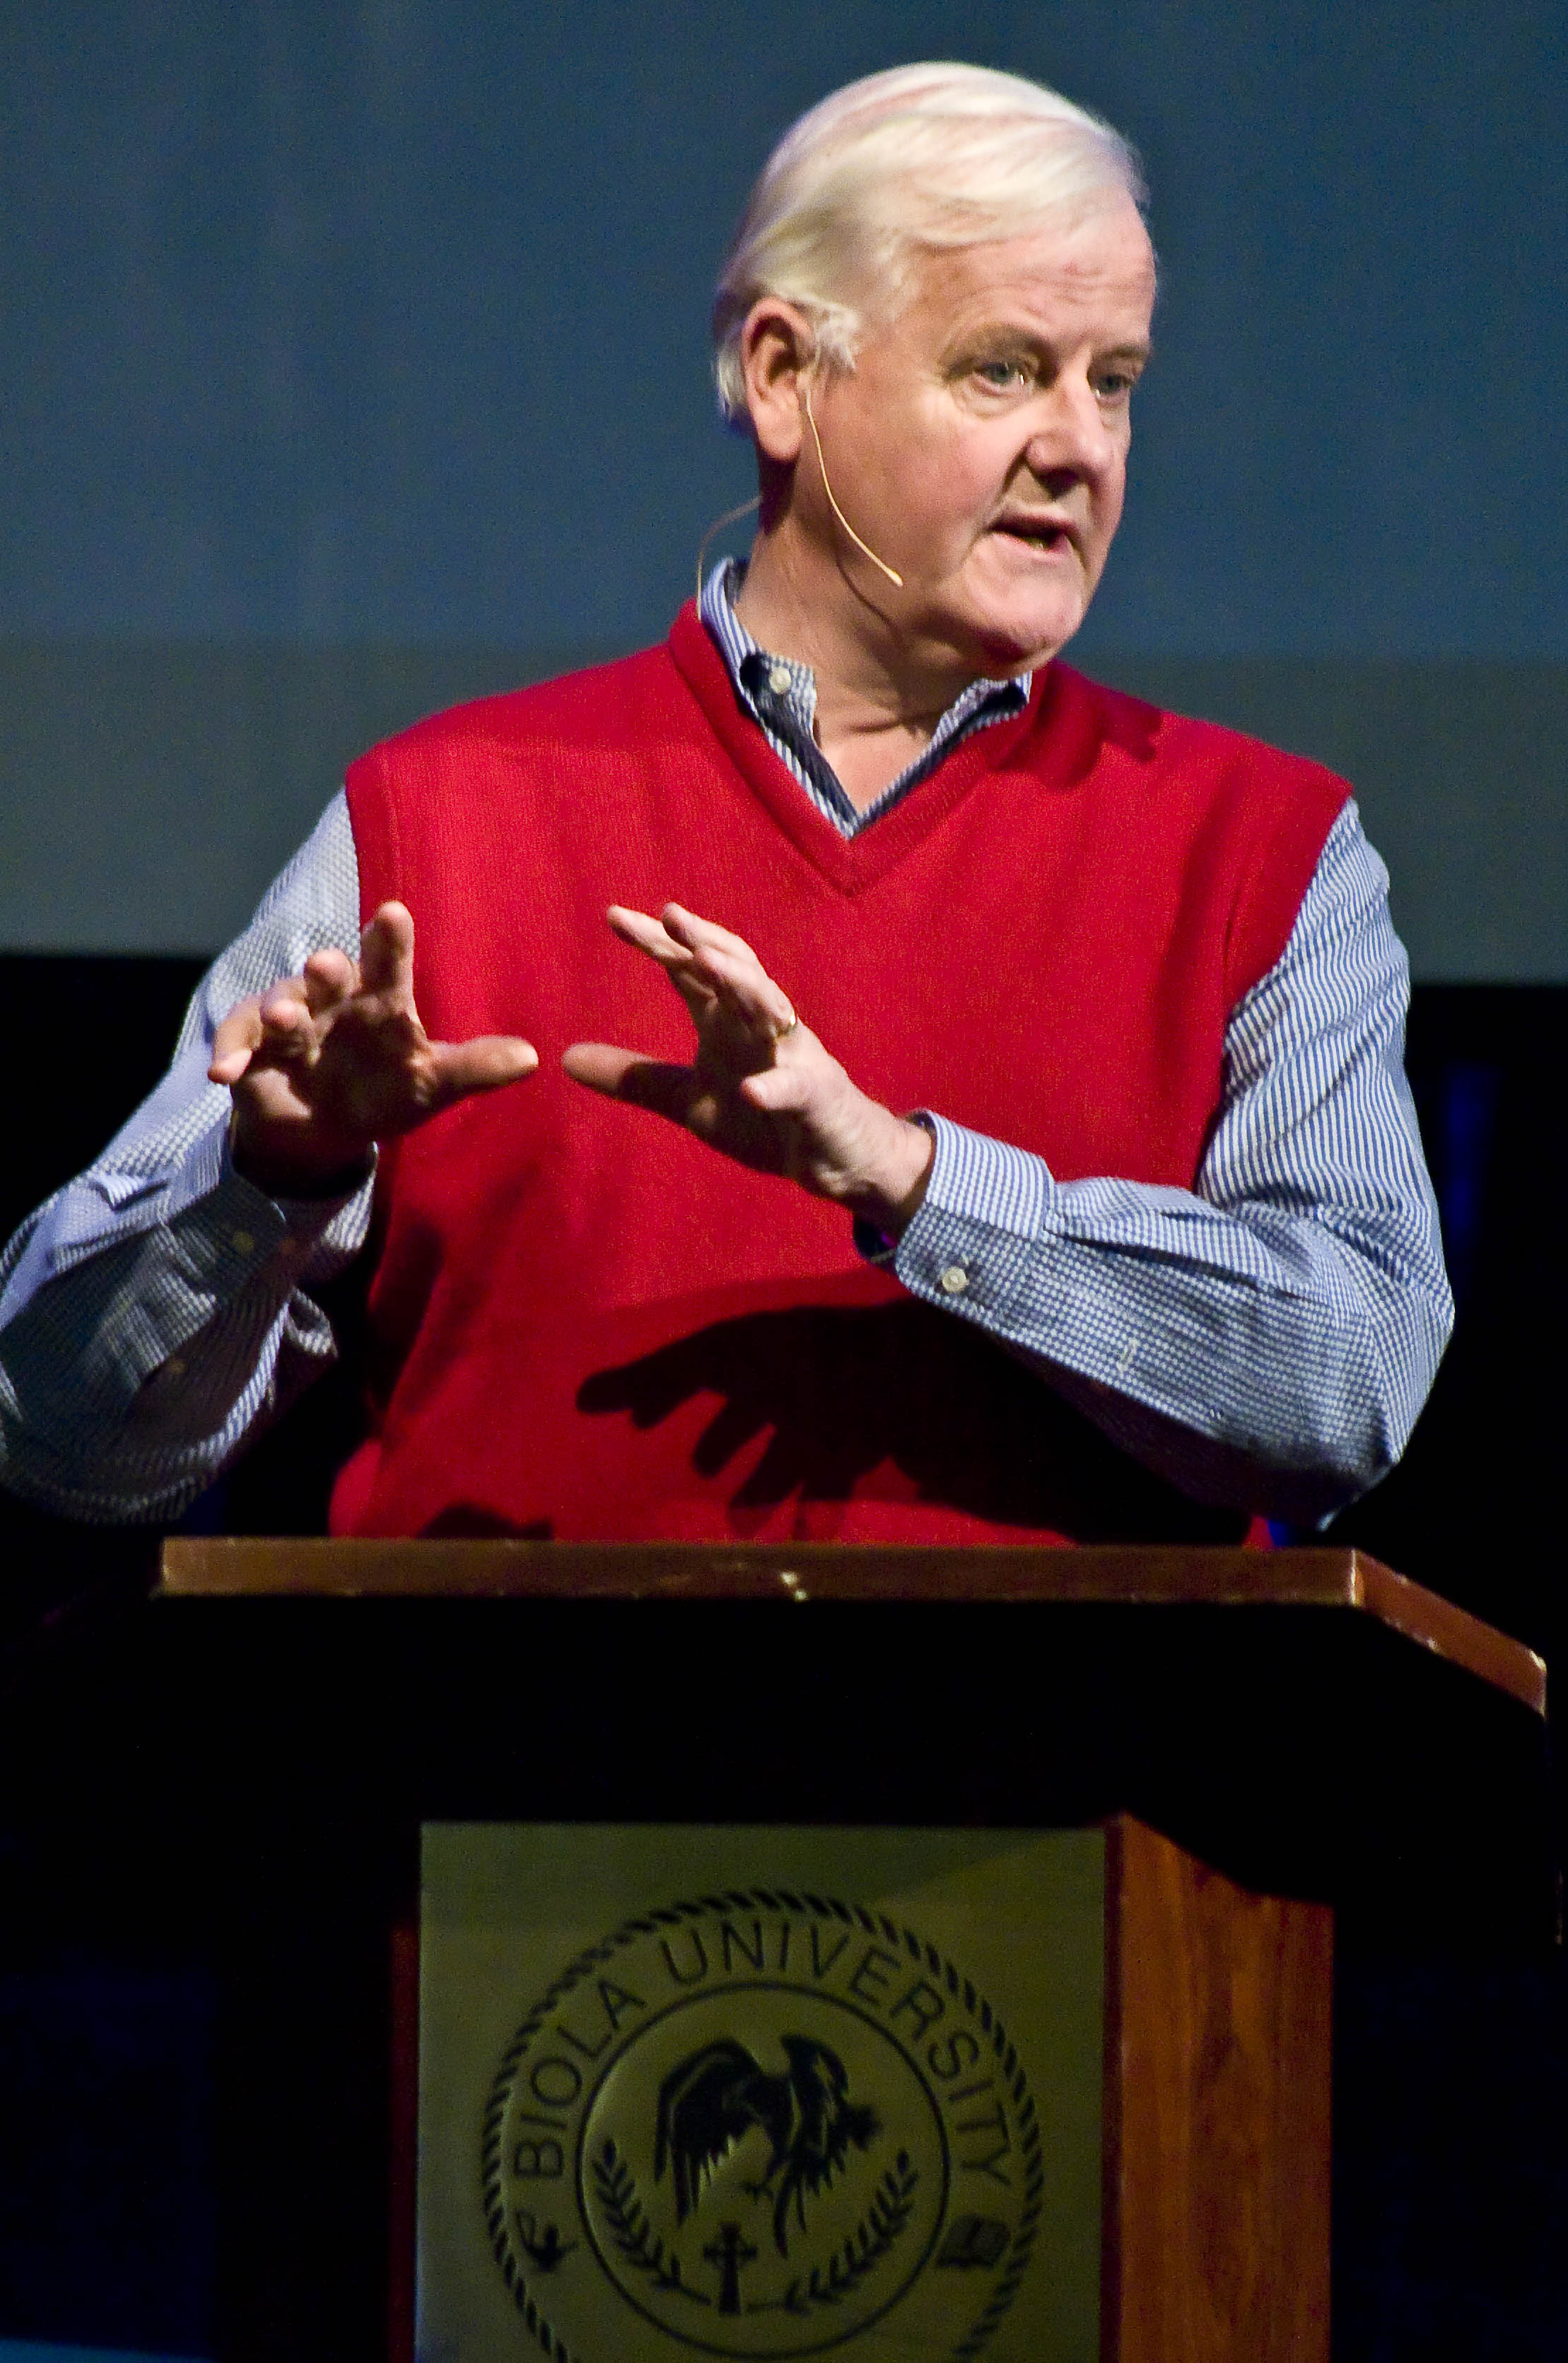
x=158 y=1308
x=1266 y=1339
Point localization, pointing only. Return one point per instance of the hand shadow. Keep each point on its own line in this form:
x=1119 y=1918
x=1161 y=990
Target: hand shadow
x=842 y=1391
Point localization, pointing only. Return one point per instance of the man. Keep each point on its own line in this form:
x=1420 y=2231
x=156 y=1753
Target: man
x=1042 y=1165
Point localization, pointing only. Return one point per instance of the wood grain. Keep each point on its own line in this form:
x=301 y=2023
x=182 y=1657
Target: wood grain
x=229 y=1567
x=1217 y=2114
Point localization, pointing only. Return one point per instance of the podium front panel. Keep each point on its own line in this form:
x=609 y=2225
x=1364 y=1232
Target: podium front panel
x=760 y=2092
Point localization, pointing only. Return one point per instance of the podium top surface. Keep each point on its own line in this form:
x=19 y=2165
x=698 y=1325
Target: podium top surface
x=242 y=1567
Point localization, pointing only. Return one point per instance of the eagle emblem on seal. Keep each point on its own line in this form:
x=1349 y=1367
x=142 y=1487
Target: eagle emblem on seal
x=712 y=2099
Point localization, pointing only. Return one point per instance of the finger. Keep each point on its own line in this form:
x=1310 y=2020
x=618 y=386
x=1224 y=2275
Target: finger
x=734 y=968
x=776 y=1090
x=330 y=979
x=485 y=1064
x=680 y=960
x=640 y=1081
x=748 y=992
x=386 y=952
x=237 y=1035
x=636 y=928
x=275 y=1026
x=710 y=970
x=288 y=1030
x=697 y=933
x=645 y=935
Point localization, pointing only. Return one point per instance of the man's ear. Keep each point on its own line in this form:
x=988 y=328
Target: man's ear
x=778 y=349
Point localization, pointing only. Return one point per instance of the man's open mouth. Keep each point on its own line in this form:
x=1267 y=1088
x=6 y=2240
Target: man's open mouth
x=1040 y=532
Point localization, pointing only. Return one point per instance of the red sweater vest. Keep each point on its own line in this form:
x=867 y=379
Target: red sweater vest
x=584 y=1324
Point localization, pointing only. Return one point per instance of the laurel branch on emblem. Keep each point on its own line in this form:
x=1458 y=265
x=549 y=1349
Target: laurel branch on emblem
x=633 y=2234
x=880 y=2226
x=870 y=2241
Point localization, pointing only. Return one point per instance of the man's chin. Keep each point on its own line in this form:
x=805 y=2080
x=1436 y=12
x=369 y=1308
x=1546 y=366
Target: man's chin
x=1014 y=628
x=1022 y=643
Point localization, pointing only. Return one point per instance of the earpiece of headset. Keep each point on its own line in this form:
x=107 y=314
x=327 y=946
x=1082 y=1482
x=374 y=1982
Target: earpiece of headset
x=891 y=573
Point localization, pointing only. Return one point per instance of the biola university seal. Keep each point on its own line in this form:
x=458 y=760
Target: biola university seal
x=761 y=2124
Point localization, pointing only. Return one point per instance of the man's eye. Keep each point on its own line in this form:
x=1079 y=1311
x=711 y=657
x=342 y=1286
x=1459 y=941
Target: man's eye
x=1002 y=376
x=1115 y=385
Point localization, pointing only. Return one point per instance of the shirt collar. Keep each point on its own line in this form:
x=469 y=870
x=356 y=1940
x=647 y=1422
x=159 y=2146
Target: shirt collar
x=781 y=696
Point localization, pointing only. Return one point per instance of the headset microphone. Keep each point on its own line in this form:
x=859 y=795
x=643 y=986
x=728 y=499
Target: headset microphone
x=892 y=575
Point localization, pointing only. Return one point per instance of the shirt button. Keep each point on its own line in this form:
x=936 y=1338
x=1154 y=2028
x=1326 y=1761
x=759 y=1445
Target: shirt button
x=172 y=1369
x=778 y=681
x=1128 y=1356
x=242 y=1242
x=954 y=1279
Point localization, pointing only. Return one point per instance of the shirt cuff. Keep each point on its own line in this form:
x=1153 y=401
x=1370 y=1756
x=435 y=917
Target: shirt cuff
x=986 y=1207
x=218 y=1203
x=219 y=1236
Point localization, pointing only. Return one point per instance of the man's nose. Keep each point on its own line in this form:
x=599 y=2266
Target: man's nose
x=1071 y=441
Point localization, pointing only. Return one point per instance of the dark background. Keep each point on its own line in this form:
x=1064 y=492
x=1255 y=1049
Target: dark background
x=355 y=360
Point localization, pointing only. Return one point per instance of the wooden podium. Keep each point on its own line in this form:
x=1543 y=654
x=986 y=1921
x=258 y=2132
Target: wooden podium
x=1267 y=1738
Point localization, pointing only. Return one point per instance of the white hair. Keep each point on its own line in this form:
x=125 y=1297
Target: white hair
x=920 y=156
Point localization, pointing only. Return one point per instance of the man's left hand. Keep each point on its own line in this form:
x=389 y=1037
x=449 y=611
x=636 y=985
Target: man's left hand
x=762 y=1088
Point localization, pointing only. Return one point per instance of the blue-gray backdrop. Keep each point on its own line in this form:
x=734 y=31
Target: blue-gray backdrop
x=355 y=358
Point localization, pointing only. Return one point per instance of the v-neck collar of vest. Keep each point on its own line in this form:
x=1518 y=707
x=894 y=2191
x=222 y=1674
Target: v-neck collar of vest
x=849 y=863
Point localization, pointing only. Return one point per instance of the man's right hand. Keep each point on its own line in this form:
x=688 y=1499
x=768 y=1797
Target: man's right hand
x=324 y=1065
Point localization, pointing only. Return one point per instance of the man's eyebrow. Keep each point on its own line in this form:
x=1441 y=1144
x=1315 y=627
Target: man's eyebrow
x=1016 y=333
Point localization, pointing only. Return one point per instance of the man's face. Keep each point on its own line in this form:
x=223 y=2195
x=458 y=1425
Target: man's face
x=979 y=444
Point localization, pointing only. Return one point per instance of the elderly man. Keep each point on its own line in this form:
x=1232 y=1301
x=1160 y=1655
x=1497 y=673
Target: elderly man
x=1024 y=1150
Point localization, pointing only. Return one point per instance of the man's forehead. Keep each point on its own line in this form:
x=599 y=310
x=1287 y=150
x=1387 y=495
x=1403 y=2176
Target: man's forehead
x=1102 y=264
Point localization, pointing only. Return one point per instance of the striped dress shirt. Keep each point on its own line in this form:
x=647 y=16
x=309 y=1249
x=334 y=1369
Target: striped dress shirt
x=1264 y=1340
